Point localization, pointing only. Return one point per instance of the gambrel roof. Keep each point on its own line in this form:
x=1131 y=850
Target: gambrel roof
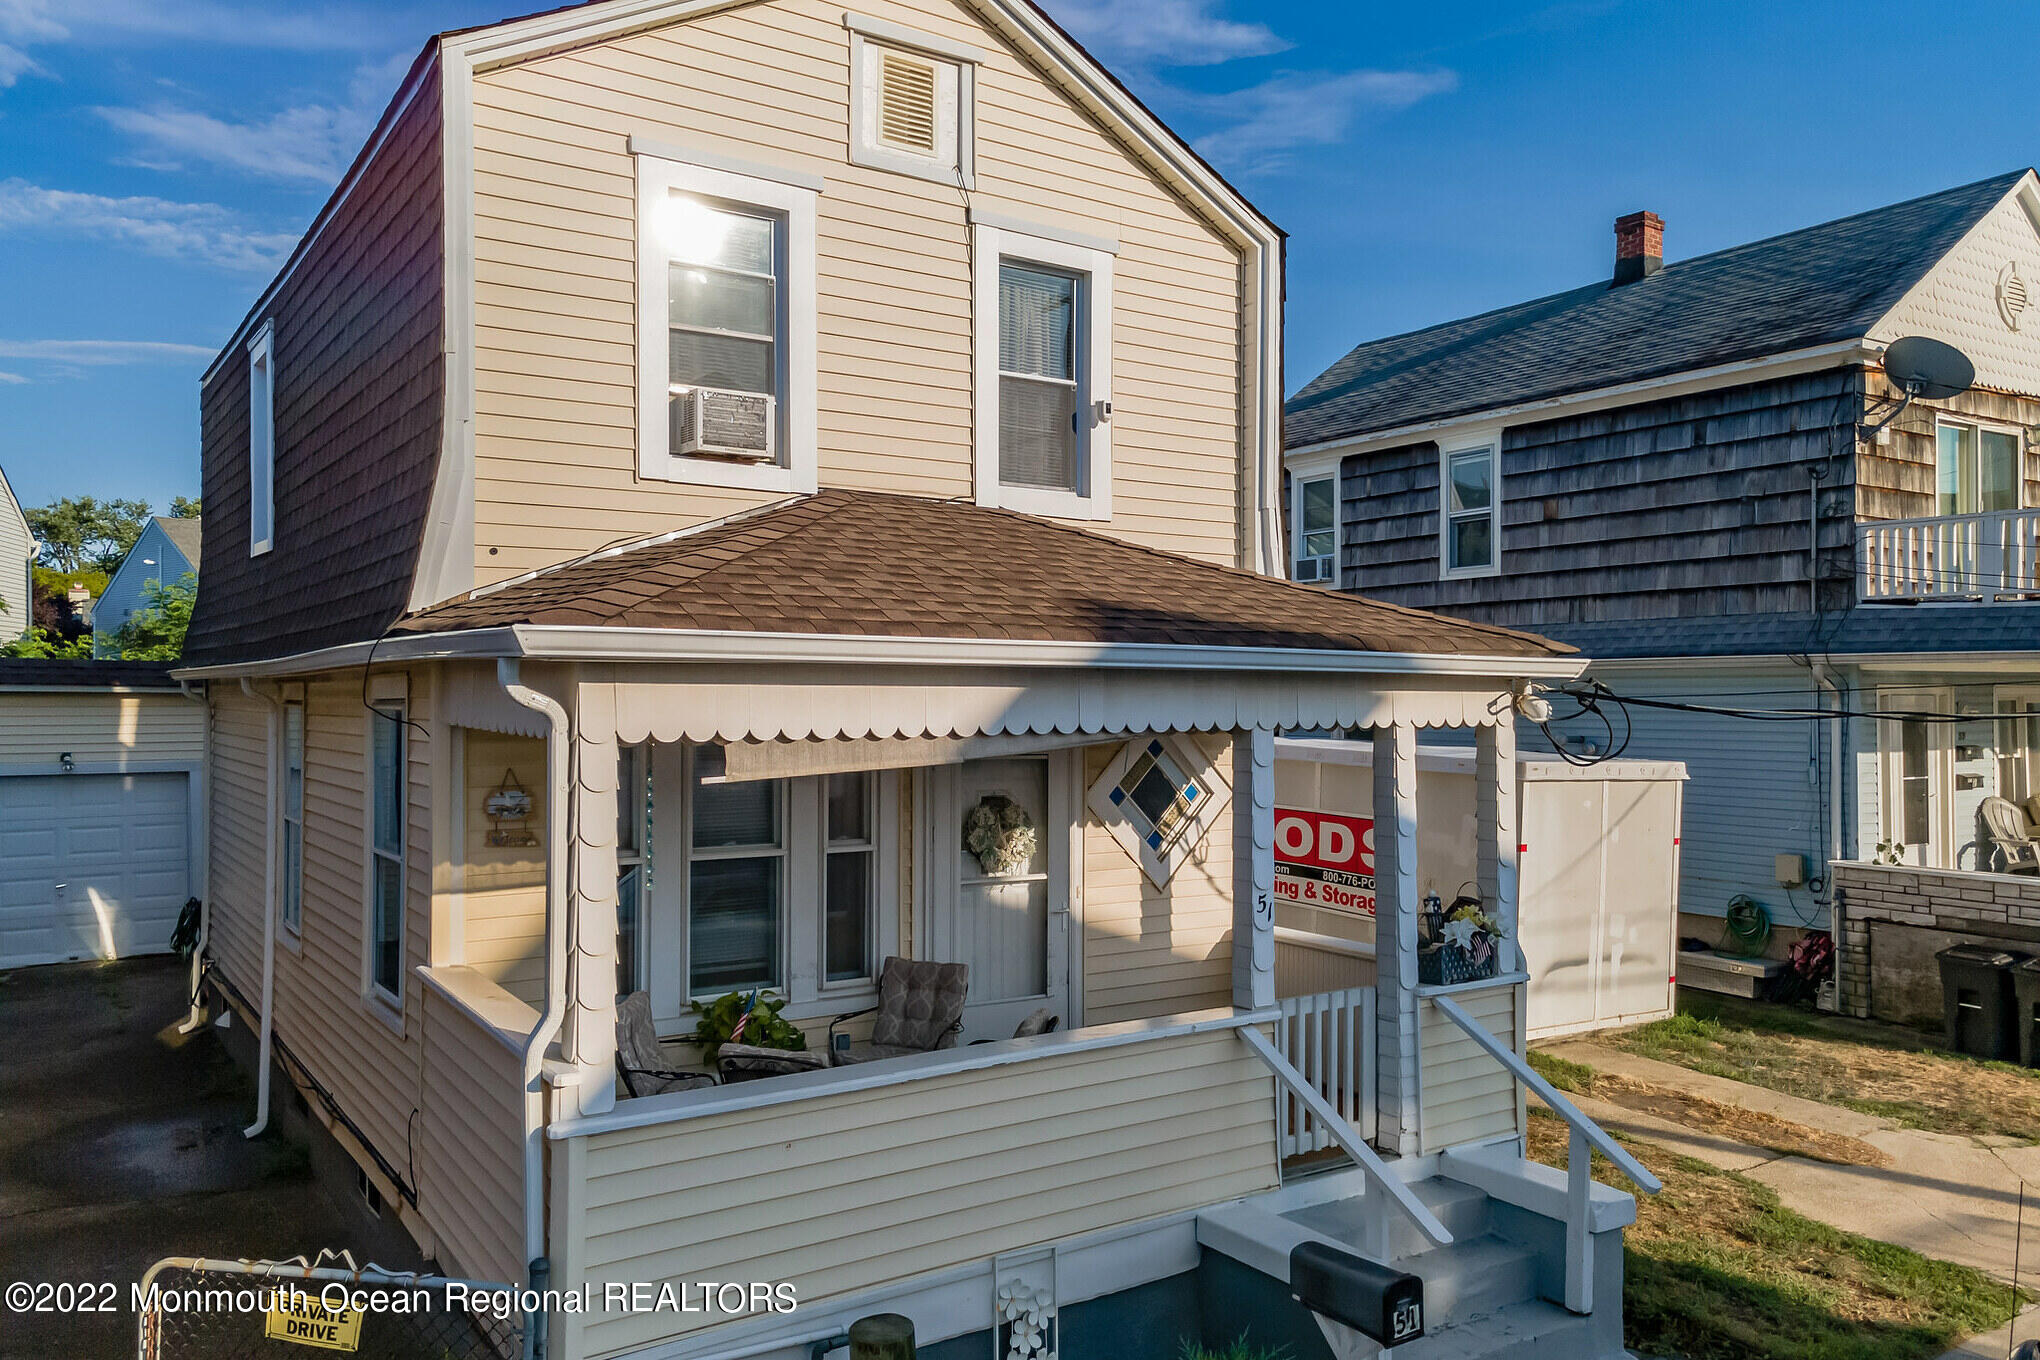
x=1820 y=285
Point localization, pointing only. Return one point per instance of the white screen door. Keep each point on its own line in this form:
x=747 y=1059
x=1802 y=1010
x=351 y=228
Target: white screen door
x=1011 y=927
x=1916 y=778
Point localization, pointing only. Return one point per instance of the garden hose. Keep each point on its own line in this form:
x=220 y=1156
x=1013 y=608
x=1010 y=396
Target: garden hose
x=1748 y=925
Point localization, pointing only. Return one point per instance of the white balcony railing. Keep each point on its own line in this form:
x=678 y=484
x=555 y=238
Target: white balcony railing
x=1985 y=557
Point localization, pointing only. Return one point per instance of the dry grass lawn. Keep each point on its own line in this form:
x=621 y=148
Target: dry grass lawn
x=1861 y=1065
x=1717 y=1269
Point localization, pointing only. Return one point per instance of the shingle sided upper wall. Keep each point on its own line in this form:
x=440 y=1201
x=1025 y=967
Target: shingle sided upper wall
x=769 y=82
x=359 y=397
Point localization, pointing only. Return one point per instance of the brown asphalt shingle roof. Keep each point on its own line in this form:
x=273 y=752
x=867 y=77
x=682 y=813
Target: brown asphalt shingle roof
x=858 y=562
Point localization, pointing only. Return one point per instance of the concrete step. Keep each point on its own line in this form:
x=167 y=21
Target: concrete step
x=1530 y=1330
x=1472 y=1276
x=1461 y=1208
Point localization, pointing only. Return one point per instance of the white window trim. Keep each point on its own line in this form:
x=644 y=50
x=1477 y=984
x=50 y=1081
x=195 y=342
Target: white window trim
x=385 y=1004
x=1160 y=865
x=804 y=833
x=797 y=471
x=1941 y=840
x=865 y=148
x=1296 y=533
x=1944 y=420
x=262 y=440
x=989 y=246
x=1490 y=440
x=638 y=858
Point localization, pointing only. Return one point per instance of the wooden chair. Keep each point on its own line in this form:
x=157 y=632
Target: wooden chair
x=920 y=1009
x=2014 y=850
x=642 y=1063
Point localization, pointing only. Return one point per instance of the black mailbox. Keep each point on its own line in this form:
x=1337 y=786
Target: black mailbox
x=1385 y=1303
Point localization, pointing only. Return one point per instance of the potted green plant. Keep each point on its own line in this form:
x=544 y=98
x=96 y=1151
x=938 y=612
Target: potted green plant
x=744 y=1017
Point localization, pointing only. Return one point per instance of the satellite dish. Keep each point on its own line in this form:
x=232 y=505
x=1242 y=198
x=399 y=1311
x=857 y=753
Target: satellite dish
x=1922 y=367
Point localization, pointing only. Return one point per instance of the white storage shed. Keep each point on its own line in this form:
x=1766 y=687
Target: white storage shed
x=1597 y=893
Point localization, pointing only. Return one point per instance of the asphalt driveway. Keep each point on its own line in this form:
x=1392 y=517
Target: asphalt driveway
x=120 y=1144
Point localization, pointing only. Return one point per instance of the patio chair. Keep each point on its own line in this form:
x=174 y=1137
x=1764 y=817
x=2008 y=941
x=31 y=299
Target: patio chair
x=2014 y=850
x=920 y=1009
x=641 y=1059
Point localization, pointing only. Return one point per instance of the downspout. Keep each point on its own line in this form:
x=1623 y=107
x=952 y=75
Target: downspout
x=542 y=1034
x=274 y=727
x=196 y=1017
x=1835 y=787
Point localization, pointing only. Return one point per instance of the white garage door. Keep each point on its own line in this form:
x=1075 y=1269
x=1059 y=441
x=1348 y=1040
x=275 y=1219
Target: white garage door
x=91 y=865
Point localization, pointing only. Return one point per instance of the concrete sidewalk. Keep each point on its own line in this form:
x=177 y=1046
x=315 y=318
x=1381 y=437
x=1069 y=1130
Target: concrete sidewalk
x=1947 y=1196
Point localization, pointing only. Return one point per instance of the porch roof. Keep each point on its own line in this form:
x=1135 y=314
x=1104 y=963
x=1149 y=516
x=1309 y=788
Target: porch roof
x=860 y=563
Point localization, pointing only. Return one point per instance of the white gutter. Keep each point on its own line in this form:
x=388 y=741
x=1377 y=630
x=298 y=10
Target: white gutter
x=535 y=1044
x=1573 y=403
x=1835 y=787
x=274 y=724
x=585 y=643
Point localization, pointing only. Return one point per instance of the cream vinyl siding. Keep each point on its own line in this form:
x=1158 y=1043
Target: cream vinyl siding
x=100 y=728
x=238 y=785
x=555 y=203
x=1152 y=951
x=471 y=1142
x=1466 y=1095
x=843 y=1193
x=351 y=1049
x=502 y=889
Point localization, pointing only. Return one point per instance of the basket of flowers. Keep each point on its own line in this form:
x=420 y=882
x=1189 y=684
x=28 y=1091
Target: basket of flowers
x=1465 y=945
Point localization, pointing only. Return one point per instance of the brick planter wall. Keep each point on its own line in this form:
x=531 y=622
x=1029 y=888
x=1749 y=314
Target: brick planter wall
x=1995 y=908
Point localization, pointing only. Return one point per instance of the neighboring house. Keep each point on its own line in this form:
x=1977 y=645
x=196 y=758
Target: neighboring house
x=1682 y=471
x=165 y=553
x=17 y=566
x=101 y=768
x=700 y=457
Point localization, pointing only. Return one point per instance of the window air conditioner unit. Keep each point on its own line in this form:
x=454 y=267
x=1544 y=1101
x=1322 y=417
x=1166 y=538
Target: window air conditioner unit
x=1314 y=569
x=710 y=422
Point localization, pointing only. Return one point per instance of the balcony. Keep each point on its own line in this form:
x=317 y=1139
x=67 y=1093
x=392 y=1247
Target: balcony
x=1984 y=558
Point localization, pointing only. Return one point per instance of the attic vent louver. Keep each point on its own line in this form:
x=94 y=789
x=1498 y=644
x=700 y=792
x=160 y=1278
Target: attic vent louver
x=2011 y=294
x=906 y=103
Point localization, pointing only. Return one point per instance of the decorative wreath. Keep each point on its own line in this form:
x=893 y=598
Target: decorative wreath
x=999 y=834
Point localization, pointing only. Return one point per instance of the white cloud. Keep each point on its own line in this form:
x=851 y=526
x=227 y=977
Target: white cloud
x=12 y=378
x=1302 y=110
x=200 y=233
x=141 y=21
x=1163 y=32
x=310 y=142
x=100 y=352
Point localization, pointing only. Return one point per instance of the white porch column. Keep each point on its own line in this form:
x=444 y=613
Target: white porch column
x=1495 y=776
x=588 y=1038
x=1253 y=809
x=1395 y=935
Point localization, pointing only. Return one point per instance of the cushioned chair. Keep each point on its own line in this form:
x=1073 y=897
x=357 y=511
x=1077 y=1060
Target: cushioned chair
x=2013 y=847
x=642 y=1062
x=748 y=1062
x=920 y=1009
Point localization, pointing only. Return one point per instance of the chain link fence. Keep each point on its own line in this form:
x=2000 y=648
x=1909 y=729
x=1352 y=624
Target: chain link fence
x=196 y=1309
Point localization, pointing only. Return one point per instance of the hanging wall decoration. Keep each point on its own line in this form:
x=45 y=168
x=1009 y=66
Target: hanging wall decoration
x=509 y=813
x=999 y=834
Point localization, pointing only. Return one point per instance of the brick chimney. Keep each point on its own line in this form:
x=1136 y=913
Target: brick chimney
x=1639 y=246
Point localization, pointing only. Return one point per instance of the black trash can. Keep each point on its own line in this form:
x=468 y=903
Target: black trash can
x=2026 y=1010
x=1976 y=999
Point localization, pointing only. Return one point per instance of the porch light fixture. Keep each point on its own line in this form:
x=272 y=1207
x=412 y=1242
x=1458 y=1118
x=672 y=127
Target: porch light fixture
x=1158 y=798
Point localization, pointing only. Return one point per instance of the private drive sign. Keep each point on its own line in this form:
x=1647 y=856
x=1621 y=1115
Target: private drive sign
x=1324 y=859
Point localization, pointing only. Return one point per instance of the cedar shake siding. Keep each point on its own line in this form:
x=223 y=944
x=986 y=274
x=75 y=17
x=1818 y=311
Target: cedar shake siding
x=1896 y=480
x=360 y=382
x=1695 y=505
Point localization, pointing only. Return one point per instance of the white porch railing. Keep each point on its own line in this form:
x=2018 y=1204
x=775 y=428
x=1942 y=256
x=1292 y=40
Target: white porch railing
x=1328 y=1037
x=1587 y=1137
x=1949 y=557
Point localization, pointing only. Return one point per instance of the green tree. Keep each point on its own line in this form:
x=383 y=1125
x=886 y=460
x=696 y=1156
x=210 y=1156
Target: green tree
x=155 y=632
x=43 y=645
x=83 y=531
x=185 y=507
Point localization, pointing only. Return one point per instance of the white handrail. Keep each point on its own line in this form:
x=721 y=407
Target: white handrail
x=1377 y=1172
x=1587 y=1136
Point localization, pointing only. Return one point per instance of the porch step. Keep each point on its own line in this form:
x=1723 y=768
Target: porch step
x=1530 y=1330
x=1462 y=1208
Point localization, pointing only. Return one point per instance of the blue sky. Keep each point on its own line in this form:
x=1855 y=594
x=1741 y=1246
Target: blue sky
x=157 y=157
